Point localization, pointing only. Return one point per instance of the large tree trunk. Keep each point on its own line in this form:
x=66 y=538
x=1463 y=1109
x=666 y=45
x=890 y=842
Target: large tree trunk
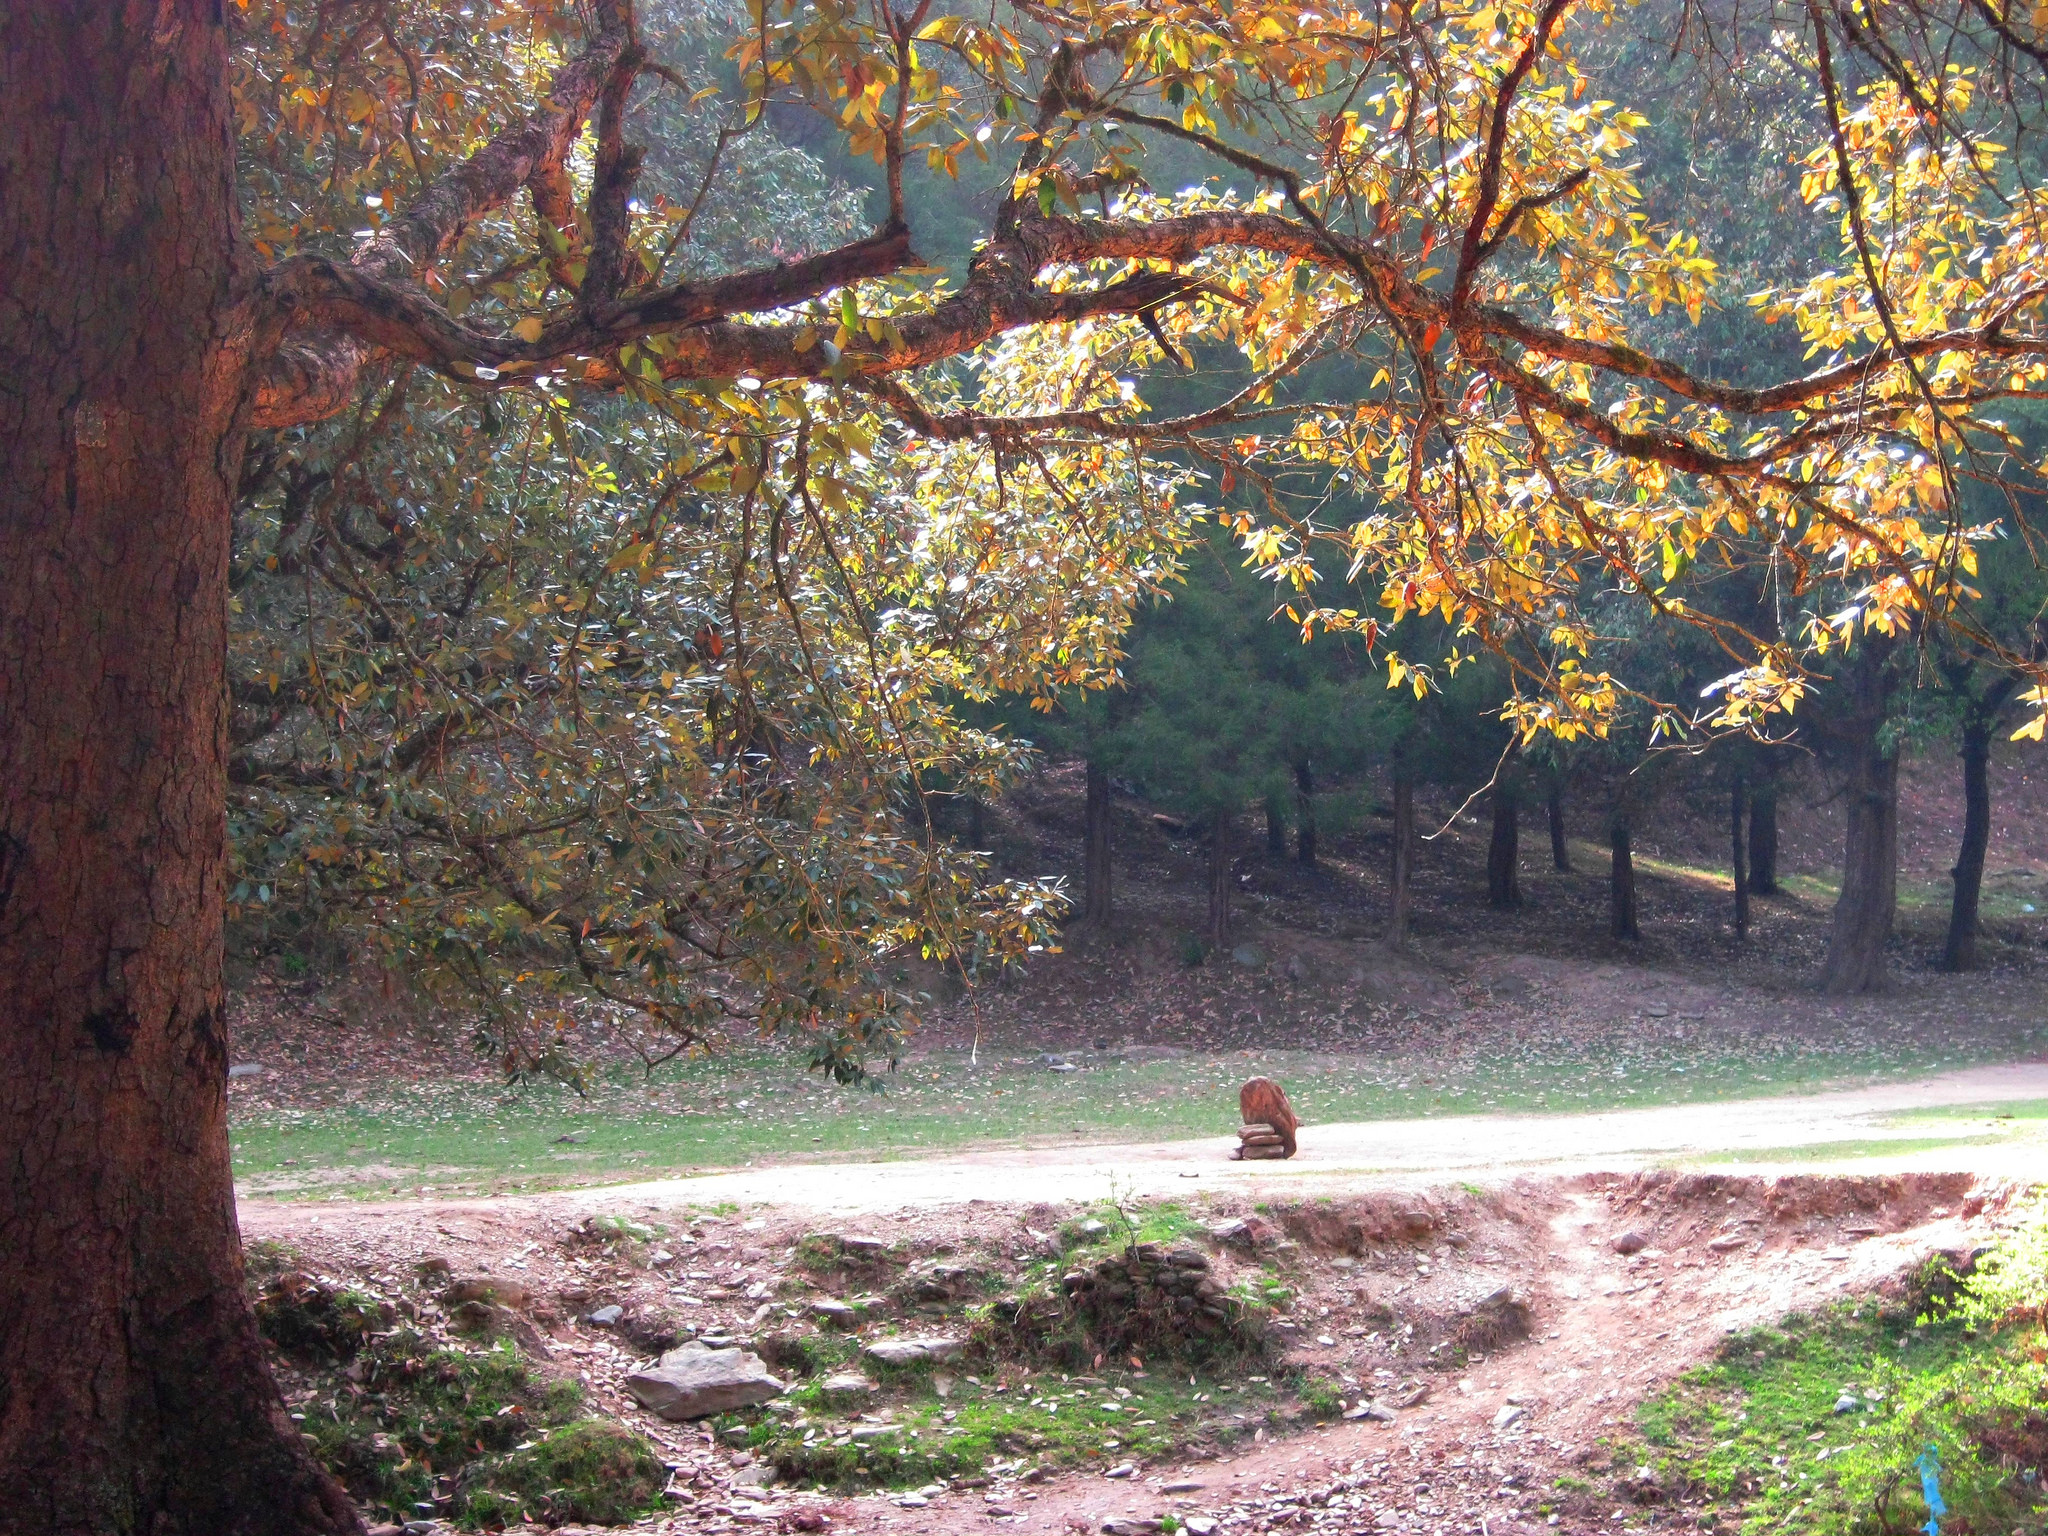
x=1738 y=856
x=1960 y=953
x=1869 y=900
x=1503 y=877
x=1621 y=883
x=1095 y=846
x=1304 y=815
x=1403 y=874
x=1276 y=828
x=134 y=1395
x=1560 y=850
x=1219 y=881
x=1763 y=840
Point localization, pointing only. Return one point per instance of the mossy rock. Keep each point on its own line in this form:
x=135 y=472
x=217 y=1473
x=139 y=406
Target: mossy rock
x=592 y=1472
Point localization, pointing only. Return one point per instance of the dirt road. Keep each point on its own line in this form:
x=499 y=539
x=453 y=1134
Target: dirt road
x=1770 y=1134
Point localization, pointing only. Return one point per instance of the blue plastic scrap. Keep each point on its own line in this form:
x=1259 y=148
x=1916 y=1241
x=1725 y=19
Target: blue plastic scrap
x=1930 y=1490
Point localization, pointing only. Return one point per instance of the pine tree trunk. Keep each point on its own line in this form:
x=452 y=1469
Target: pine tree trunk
x=1403 y=876
x=1560 y=850
x=1219 y=881
x=1960 y=953
x=1276 y=828
x=1763 y=841
x=1738 y=855
x=1864 y=911
x=1095 y=846
x=1621 y=884
x=1304 y=815
x=1503 y=877
x=134 y=1395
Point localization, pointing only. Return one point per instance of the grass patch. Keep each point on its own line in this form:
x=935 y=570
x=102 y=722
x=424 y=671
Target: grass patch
x=420 y=1428
x=1830 y=1424
x=1046 y=1418
x=1841 y=1151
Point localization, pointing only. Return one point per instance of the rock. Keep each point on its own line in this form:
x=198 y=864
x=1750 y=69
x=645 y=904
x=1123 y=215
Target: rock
x=572 y=1139
x=847 y=1389
x=246 y=1069
x=1262 y=1099
x=1184 y=1486
x=1093 y=1228
x=1247 y=1232
x=433 y=1267
x=1123 y=1469
x=1407 y=1395
x=1509 y=1415
x=1249 y=956
x=866 y=1432
x=693 y=1381
x=864 y=1247
x=916 y=1350
x=1375 y=1410
x=1629 y=1242
x=911 y=1501
x=1727 y=1244
x=604 y=1317
x=505 y=1293
x=832 y=1310
x=1199 y=1525
x=1847 y=1403
x=1130 y=1525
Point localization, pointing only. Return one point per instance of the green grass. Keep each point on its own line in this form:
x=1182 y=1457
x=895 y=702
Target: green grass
x=470 y=1136
x=1045 y=1417
x=2016 y=1111
x=1846 y=1151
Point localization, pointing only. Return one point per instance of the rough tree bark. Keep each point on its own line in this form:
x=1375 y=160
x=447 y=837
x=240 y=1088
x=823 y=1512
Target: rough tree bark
x=1560 y=850
x=1763 y=840
x=1960 y=951
x=1403 y=874
x=1220 y=850
x=1304 y=815
x=1864 y=911
x=1503 y=877
x=1095 y=853
x=133 y=1390
x=1739 y=859
x=1621 y=883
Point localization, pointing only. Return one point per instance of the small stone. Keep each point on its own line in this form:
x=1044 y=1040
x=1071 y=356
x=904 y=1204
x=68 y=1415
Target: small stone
x=1510 y=1414
x=1093 y=1228
x=846 y=1389
x=1199 y=1525
x=1847 y=1403
x=832 y=1310
x=246 y=1069
x=1727 y=1244
x=1123 y=1469
x=911 y=1501
x=1131 y=1525
x=865 y=1432
x=1183 y=1486
x=1377 y=1411
x=1629 y=1242
x=604 y=1317
x=864 y=1247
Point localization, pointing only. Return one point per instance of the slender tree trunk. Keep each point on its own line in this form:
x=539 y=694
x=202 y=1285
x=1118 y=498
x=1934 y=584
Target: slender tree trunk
x=1960 y=953
x=1738 y=855
x=1621 y=883
x=977 y=824
x=1403 y=877
x=1276 y=828
x=134 y=1395
x=1763 y=840
x=1503 y=877
x=1095 y=846
x=1560 y=850
x=1220 y=848
x=1304 y=815
x=1864 y=911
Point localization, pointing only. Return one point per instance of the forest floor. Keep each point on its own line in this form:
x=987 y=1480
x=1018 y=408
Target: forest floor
x=1487 y=1109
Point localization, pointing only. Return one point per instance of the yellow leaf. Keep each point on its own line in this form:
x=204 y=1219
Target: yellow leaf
x=530 y=328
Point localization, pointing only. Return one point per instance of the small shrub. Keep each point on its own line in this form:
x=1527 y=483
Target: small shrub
x=311 y=1319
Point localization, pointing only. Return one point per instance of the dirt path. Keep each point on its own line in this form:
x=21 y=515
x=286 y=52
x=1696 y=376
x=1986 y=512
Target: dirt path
x=1336 y=1159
